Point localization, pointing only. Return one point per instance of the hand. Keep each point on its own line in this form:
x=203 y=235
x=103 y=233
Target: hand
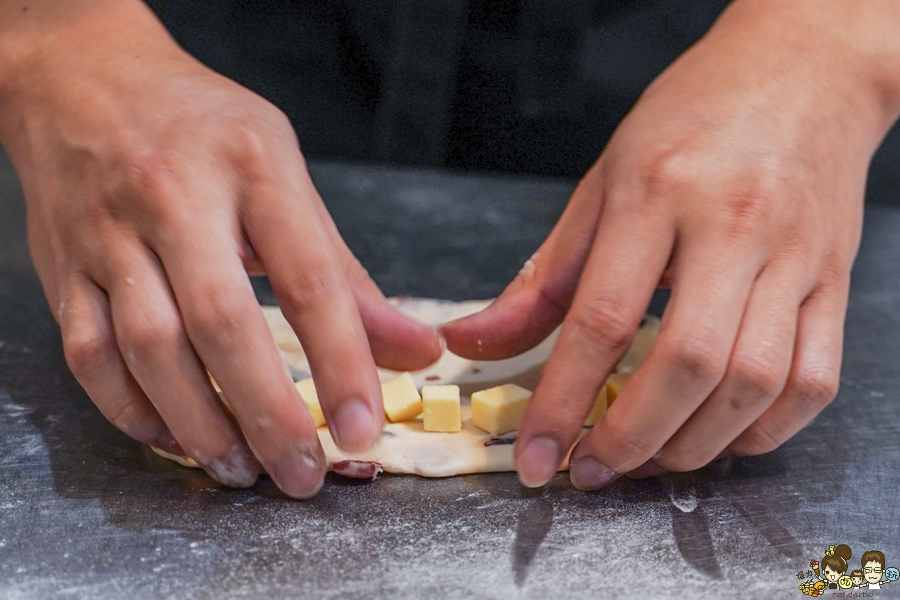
x=153 y=185
x=738 y=180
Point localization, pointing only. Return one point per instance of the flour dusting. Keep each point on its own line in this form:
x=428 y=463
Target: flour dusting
x=684 y=500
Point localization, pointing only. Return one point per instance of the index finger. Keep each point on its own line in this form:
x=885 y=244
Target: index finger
x=307 y=276
x=227 y=329
x=629 y=255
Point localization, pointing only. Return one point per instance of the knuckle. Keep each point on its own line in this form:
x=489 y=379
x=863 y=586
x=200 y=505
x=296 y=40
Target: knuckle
x=632 y=449
x=251 y=147
x=699 y=356
x=835 y=276
x=128 y=417
x=87 y=353
x=214 y=312
x=275 y=117
x=798 y=248
x=151 y=171
x=169 y=220
x=817 y=385
x=356 y=272
x=310 y=287
x=260 y=129
x=148 y=337
x=669 y=170
x=756 y=440
x=153 y=178
x=748 y=205
x=748 y=202
x=603 y=320
x=761 y=373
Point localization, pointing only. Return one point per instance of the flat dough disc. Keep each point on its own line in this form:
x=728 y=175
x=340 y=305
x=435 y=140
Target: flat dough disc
x=406 y=447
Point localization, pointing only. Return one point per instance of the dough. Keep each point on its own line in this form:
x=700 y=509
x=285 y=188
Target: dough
x=407 y=447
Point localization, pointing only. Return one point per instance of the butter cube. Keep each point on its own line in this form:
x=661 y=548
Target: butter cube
x=440 y=408
x=614 y=386
x=402 y=401
x=310 y=396
x=599 y=408
x=499 y=410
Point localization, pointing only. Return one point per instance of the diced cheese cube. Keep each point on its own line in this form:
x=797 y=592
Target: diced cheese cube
x=599 y=408
x=499 y=410
x=402 y=401
x=310 y=396
x=440 y=408
x=614 y=386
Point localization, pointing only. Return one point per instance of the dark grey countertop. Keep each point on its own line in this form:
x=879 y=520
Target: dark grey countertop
x=87 y=513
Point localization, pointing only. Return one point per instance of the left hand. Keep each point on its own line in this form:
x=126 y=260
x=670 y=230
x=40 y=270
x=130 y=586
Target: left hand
x=738 y=179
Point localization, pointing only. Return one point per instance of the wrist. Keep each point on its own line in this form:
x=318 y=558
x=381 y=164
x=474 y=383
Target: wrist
x=59 y=57
x=845 y=47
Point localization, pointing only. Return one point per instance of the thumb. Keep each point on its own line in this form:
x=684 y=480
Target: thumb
x=537 y=300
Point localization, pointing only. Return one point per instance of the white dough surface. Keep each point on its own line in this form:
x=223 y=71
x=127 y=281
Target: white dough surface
x=406 y=447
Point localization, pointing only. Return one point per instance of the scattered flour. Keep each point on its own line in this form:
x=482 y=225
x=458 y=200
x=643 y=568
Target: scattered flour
x=685 y=501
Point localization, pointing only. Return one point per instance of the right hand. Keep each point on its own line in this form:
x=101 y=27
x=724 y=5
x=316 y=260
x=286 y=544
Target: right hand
x=153 y=186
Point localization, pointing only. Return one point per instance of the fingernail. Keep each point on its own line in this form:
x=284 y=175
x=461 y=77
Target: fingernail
x=166 y=441
x=539 y=462
x=238 y=468
x=588 y=474
x=299 y=475
x=450 y=325
x=355 y=427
